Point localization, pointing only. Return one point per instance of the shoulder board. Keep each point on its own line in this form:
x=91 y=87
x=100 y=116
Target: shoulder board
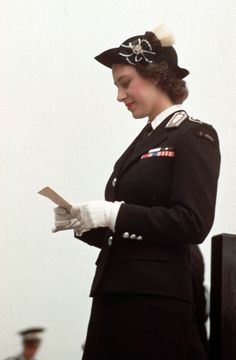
x=195 y=120
x=176 y=120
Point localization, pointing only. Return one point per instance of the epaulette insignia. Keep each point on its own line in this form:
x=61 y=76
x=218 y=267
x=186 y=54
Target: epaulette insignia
x=195 y=120
x=206 y=136
x=177 y=119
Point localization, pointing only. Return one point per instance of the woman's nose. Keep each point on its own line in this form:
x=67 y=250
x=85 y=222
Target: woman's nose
x=121 y=95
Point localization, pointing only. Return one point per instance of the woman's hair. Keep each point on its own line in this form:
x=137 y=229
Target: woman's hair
x=166 y=77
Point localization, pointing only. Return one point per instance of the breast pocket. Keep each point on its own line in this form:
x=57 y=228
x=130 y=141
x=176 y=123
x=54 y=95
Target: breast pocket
x=157 y=173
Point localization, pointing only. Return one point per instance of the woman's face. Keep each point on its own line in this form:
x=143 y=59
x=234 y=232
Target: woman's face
x=141 y=96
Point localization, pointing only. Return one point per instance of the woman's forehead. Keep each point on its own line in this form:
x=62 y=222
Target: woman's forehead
x=122 y=70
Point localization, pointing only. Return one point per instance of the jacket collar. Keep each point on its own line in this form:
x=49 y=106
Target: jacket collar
x=164 y=114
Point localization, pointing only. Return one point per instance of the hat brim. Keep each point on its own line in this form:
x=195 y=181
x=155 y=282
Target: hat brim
x=111 y=57
x=181 y=72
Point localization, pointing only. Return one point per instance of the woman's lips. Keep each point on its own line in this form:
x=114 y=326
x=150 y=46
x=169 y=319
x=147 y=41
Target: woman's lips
x=130 y=105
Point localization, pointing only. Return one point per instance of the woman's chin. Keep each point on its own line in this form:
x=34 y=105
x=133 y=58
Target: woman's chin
x=136 y=114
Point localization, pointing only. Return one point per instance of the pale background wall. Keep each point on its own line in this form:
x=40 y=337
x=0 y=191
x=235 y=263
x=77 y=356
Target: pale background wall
x=61 y=126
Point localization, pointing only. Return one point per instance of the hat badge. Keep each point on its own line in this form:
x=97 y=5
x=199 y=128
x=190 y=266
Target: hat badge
x=138 y=51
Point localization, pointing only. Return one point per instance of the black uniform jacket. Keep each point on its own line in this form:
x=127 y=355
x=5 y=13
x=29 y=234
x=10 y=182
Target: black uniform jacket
x=199 y=297
x=169 y=201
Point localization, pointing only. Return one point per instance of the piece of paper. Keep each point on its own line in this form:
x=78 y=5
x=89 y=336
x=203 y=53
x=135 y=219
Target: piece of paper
x=56 y=198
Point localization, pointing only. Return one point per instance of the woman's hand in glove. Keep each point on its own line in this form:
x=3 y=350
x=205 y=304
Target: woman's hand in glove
x=63 y=220
x=86 y=216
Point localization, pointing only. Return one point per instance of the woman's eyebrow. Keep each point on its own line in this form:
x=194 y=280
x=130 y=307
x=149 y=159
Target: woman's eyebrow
x=119 y=79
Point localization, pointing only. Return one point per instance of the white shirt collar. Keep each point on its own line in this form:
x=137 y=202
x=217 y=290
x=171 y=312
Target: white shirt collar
x=164 y=114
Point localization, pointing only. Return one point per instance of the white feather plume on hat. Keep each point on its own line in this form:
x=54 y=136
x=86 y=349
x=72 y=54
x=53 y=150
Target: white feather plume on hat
x=164 y=35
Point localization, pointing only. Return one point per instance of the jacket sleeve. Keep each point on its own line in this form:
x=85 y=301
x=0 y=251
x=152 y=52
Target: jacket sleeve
x=93 y=237
x=190 y=213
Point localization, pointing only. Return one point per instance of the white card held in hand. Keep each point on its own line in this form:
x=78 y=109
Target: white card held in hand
x=56 y=198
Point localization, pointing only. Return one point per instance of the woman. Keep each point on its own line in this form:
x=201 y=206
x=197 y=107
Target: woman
x=160 y=198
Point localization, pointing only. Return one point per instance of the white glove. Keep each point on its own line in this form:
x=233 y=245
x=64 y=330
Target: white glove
x=64 y=220
x=86 y=216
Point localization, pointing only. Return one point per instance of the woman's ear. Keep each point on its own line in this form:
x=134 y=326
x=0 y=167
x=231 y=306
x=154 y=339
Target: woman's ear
x=156 y=82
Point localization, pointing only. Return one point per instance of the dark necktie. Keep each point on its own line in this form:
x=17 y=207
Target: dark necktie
x=147 y=130
x=144 y=134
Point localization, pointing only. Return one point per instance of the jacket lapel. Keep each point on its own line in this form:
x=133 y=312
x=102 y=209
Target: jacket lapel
x=135 y=150
x=121 y=161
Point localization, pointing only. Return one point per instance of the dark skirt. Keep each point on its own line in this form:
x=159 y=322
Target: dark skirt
x=135 y=327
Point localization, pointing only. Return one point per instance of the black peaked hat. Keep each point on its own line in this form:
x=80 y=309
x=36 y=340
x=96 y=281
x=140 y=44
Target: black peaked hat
x=143 y=49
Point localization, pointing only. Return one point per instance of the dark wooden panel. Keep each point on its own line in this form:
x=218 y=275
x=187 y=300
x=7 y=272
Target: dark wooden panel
x=223 y=298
